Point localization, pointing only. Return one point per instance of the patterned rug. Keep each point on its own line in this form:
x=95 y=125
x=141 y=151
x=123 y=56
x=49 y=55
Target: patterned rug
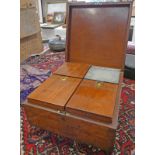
x=48 y=61
x=43 y=65
x=36 y=141
x=130 y=48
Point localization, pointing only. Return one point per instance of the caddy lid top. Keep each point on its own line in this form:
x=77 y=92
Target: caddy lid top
x=97 y=33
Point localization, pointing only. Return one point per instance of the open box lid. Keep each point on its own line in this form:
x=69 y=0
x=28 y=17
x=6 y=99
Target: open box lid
x=97 y=33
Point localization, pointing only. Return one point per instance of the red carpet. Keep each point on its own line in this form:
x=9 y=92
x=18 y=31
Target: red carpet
x=36 y=141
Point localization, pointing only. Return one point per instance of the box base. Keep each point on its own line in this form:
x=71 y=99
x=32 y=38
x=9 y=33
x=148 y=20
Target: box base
x=65 y=124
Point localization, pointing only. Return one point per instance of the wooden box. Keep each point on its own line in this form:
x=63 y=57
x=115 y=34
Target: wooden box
x=72 y=104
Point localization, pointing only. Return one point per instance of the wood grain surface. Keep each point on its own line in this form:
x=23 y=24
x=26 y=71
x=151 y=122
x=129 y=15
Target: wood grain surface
x=95 y=100
x=73 y=69
x=79 y=129
x=54 y=92
x=86 y=110
x=82 y=129
x=97 y=34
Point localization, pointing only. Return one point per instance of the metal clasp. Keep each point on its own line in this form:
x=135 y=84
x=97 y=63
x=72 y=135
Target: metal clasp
x=64 y=78
x=61 y=112
x=99 y=84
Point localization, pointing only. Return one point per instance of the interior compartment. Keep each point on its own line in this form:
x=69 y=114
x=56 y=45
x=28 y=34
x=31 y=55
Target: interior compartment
x=104 y=74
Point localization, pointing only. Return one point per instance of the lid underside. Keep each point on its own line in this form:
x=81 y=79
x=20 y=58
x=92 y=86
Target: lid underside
x=97 y=34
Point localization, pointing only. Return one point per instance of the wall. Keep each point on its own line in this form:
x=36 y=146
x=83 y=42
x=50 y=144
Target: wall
x=58 y=7
x=45 y=4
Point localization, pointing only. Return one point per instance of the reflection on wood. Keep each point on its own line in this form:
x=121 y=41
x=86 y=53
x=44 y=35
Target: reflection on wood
x=94 y=100
x=54 y=92
x=73 y=69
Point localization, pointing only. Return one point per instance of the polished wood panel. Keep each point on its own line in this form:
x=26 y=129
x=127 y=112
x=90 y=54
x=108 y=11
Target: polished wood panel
x=97 y=34
x=54 y=92
x=94 y=100
x=73 y=69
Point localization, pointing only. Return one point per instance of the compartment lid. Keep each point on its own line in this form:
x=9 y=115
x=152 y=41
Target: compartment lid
x=78 y=70
x=97 y=33
x=94 y=100
x=54 y=92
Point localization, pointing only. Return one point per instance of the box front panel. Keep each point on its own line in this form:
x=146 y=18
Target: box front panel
x=78 y=129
